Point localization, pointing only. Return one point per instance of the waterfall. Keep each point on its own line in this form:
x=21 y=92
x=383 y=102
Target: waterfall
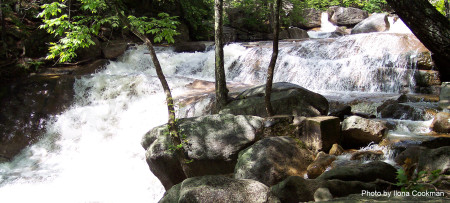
x=92 y=153
x=364 y=62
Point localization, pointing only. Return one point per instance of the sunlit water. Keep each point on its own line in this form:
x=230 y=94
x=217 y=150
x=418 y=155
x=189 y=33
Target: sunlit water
x=92 y=151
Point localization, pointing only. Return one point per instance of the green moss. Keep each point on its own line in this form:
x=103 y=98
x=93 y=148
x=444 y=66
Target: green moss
x=300 y=143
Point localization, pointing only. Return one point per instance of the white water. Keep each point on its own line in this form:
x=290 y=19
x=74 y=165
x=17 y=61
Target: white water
x=397 y=26
x=92 y=151
x=326 y=28
x=364 y=62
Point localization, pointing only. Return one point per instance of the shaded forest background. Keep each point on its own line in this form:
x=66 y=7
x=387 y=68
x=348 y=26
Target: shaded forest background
x=24 y=45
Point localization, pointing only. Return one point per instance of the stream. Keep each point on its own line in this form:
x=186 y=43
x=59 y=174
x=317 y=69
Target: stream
x=92 y=153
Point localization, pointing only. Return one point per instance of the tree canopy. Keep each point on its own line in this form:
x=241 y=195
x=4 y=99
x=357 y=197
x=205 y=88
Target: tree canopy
x=75 y=22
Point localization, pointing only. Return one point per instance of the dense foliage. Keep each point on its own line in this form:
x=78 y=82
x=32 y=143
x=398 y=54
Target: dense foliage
x=368 y=5
x=76 y=29
x=440 y=6
x=199 y=17
x=74 y=22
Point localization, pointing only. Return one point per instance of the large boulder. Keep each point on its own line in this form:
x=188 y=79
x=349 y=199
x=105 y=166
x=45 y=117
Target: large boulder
x=214 y=142
x=218 y=189
x=28 y=103
x=405 y=111
x=321 y=132
x=359 y=132
x=294 y=33
x=271 y=160
x=342 y=112
x=362 y=172
x=92 y=52
x=441 y=123
x=114 y=49
x=286 y=99
x=311 y=18
x=436 y=142
x=426 y=159
x=377 y=22
x=296 y=189
x=346 y=16
x=435 y=159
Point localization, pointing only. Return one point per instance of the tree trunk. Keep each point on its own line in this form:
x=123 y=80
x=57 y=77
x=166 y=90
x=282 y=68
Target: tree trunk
x=173 y=126
x=3 y=35
x=430 y=27
x=273 y=60
x=221 y=84
x=447 y=9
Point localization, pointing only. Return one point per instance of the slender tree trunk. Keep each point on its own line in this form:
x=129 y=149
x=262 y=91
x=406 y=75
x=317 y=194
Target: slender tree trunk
x=430 y=27
x=221 y=85
x=173 y=126
x=273 y=60
x=447 y=9
x=3 y=35
x=70 y=10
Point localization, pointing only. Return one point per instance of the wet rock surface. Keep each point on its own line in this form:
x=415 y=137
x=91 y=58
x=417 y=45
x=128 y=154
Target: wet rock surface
x=27 y=105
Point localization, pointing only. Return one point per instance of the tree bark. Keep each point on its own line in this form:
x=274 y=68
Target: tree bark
x=430 y=27
x=447 y=9
x=173 y=126
x=273 y=59
x=3 y=34
x=221 y=84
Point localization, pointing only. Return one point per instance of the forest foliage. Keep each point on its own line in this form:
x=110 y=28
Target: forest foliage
x=74 y=22
x=76 y=31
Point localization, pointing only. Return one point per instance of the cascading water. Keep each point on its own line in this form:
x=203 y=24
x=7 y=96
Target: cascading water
x=326 y=28
x=364 y=62
x=92 y=152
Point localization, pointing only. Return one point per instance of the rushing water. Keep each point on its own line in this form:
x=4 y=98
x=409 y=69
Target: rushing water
x=92 y=151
